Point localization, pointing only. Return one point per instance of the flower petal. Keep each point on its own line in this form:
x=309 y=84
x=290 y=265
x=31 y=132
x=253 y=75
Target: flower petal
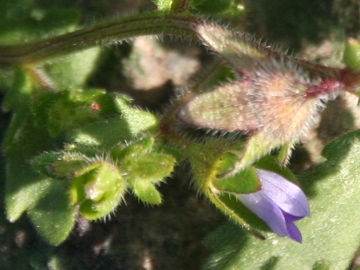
x=293 y=231
x=288 y=196
x=267 y=210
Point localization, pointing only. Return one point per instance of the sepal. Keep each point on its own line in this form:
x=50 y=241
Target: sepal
x=257 y=146
x=146 y=191
x=245 y=181
x=151 y=167
x=145 y=167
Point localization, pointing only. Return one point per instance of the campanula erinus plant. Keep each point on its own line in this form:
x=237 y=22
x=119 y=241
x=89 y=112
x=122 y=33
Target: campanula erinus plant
x=236 y=117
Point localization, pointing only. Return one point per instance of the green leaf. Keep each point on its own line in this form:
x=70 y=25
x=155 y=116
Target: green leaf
x=68 y=110
x=66 y=115
x=209 y=6
x=73 y=70
x=163 y=5
x=331 y=233
x=24 y=187
x=22 y=20
x=55 y=20
x=42 y=103
x=14 y=19
x=59 y=164
x=172 y=5
x=52 y=215
x=20 y=90
x=139 y=121
x=24 y=139
x=107 y=133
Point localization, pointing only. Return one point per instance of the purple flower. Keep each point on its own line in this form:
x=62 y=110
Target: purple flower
x=279 y=203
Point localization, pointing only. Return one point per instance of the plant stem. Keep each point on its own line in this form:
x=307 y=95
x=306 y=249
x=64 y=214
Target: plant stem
x=112 y=32
x=153 y=23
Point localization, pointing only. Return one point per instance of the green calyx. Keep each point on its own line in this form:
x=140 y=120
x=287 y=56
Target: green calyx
x=145 y=168
x=98 y=189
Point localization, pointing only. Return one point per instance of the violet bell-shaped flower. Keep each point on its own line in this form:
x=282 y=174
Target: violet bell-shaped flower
x=279 y=203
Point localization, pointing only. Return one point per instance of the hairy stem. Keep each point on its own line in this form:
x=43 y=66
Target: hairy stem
x=107 y=33
x=157 y=23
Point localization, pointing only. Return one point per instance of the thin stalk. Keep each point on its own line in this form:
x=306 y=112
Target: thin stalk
x=107 y=33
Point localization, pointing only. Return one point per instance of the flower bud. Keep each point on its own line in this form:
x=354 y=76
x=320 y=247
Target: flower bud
x=98 y=189
x=279 y=203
